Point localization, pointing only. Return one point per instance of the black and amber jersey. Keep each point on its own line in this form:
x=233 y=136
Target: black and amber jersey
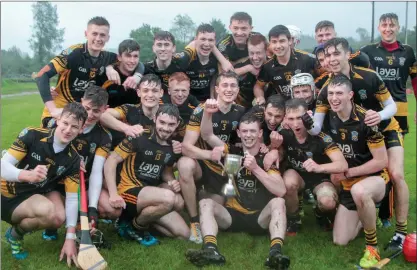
x=370 y=91
x=186 y=109
x=321 y=80
x=33 y=147
x=118 y=94
x=77 y=69
x=251 y=195
x=357 y=58
x=280 y=76
x=96 y=142
x=246 y=83
x=224 y=127
x=201 y=76
x=394 y=68
x=144 y=161
x=354 y=138
x=230 y=51
x=318 y=148
x=177 y=65
x=259 y=112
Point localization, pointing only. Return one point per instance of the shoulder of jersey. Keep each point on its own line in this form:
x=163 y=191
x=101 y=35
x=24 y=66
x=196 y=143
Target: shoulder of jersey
x=322 y=76
x=301 y=52
x=239 y=107
x=408 y=47
x=226 y=39
x=365 y=70
x=104 y=129
x=369 y=45
x=74 y=48
x=36 y=130
x=360 y=111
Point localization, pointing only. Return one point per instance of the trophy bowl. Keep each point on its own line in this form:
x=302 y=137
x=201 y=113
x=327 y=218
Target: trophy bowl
x=232 y=165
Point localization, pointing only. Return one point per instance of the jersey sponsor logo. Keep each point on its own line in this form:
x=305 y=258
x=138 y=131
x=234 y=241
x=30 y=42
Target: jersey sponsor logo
x=355 y=136
x=362 y=94
x=388 y=73
x=82 y=69
x=23 y=132
x=148 y=153
x=150 y=170
x=248 y=185
x=276 y=78
x=378 y=58
x=93 y=147
x=199 y=84
x=223 y=137
x=36 y=156
x=167 y=157
x=81 y=85
x=401 y=61
x=327 y=139
x=60 y=170
x=212 y=71
x=234 y=125
x=347 y=150
x=296 y=163
x=285 y=89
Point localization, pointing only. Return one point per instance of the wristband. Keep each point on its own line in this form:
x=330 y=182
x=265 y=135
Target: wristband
x=71 y=236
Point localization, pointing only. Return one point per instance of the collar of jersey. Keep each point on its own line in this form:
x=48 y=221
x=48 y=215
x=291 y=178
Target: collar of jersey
x=87 y=53
x=353 y=114
x=292 y=57
x=400 y=45
x=50 y=138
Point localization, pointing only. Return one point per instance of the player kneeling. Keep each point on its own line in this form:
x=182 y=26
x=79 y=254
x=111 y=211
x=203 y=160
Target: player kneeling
x=147 y=159
x=31 y=169
x=257 y=206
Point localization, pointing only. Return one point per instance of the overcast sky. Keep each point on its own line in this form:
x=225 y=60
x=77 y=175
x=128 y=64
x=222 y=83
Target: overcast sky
x=16 y=18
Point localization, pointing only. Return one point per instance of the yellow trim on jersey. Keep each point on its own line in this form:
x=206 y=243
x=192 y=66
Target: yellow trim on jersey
x=234 y=204
x=260 y=83
x=352 y=55
x=393 y=125
x=321 y=76
x=193 y=128
x=377 y=144
x=106 y=84
x=348 y=183
x=226 y=40
x=101 y=152
x=71 y=185
x=213 y=166
x=122 y=151
x=17 y=153
x=402 y=109
x=5 y=187
x=121 y=112
x=332 y=150
x=322 y=108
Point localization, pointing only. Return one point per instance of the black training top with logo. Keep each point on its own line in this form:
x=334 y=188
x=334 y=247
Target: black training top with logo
x=246 y=83
x=280 y=76
x=230 y=51
x=186 y=109
x=177 y=65
x=33 y=147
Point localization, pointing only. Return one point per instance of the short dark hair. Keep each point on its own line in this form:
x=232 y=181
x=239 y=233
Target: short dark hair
x=128 y=45
x=77 y=110
x=241 y=16
x=169 y=109
x=97 y=95
x=336 y=41
x=295 y=103
x=319 y=49
x=151 y=78
x=164 y=35
x=205 y=28
x=323 y=24
x=250 y=117
x=98 y=20
x=278 y=30
x=339 y=80
x=277 y=101
x=256 y=39
x=391 y=16
x=227 y=74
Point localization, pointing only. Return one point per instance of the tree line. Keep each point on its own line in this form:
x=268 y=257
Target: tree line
x=47 y=38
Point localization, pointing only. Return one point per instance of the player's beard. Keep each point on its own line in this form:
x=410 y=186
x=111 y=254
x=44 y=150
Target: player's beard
x=163 y=135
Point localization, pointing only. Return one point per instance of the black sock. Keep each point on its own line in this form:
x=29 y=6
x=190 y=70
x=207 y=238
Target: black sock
x=124 y=217
x=210 y=241
x=51 y=231
x=18 y=232
x=276 y=244
x=195 y=219
x=370 y=237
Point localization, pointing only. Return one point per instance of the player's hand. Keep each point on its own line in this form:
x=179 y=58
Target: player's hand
x=69 y=250
x=260 y=100
x=308 y=121
x=56 y=113
x=133 y=131
x=270 y=158
x=276 y=139
x=249 y=162
x=174 y=185
x=372 y=118
x=176 y=147
x=54 y=93
x=227 y=66
x=36 y=175
x=132 y=82
x=113 y=75
x=93 y=217
x=217 y=153
x=211 y=106
x=311 y=166
x=116 y=201
x=253 y=70
x=263 y=149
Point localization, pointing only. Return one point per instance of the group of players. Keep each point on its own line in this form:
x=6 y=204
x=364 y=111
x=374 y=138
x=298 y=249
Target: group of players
x=150 y=138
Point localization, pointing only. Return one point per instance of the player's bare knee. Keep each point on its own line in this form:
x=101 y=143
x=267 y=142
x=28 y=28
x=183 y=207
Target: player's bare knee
x=186 y=166
x=340 y=241
x=179 y=203
x=206 y=205
x=168 y=198
x=397 y=176
x=359 y=194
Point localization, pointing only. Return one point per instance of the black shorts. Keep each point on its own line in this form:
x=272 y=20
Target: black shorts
x=212 y=181
x=346 y=199
x=245 y=222
x=403 y=121
x=393 y=138
x=48 y=122
x=8 y=205
x=312 y=180
x=131 y=198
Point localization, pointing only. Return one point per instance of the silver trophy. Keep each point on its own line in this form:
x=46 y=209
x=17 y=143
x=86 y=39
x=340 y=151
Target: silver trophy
x=232 y=166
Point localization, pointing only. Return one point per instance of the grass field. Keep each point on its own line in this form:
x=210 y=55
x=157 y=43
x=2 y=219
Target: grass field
x=12 y=87
x=310 y=249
